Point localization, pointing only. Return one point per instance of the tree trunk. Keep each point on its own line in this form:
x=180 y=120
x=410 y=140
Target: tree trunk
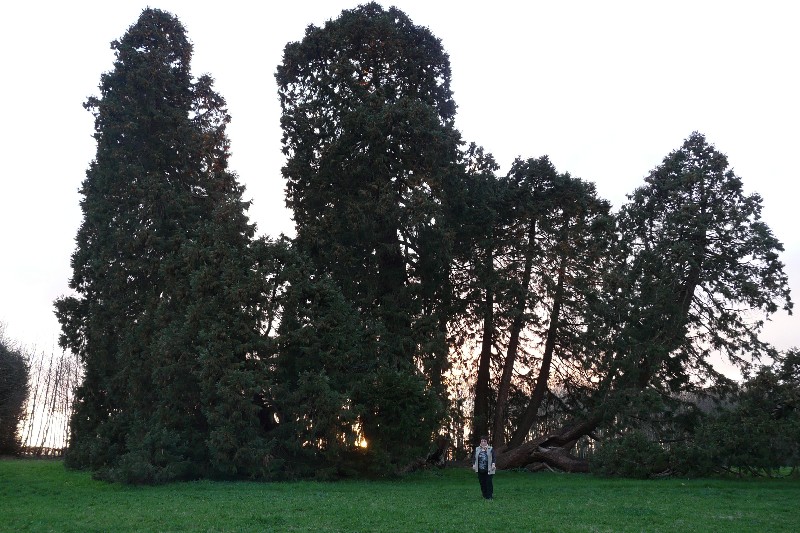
x=436 y=458
x=513 y=345
x=533 y=452
x=529 y=416
x=480 y=411
x=552 y=449
x=561 y=459
x=392 y=296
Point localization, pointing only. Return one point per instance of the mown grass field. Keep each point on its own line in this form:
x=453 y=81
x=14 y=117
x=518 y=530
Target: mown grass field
x=43 y=496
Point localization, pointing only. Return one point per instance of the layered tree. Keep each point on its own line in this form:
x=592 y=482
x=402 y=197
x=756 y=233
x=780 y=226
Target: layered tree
x=372 y=155
x=166 y=312
x=479 y=218
x=537 y=240
x=564 y=233
x=694 y=273
x=322 y=359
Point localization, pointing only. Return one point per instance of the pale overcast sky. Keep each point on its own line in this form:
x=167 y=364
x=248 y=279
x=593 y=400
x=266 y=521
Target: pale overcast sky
x=606 y=89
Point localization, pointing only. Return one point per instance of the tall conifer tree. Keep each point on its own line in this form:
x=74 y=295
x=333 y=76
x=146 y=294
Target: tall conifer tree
x=690 y=276
x=372 y=158
x=165 y=312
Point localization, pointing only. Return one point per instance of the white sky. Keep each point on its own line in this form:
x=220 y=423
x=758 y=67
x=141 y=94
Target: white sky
x=606 y=89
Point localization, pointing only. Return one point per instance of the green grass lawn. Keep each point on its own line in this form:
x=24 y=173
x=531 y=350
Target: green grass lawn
x=43 y=496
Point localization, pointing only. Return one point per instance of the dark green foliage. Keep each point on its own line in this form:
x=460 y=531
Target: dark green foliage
x=14 y=382
x=759 y=431
x=328 y=387
x=372 y=160
x=756 y=431
x=694 y=263
x=631 y=455
x=321 y=353
x=661 y=437
x=701 y=259
x=166 y=315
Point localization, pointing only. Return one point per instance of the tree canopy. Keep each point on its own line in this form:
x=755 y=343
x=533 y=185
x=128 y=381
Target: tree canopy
x=692 y=266
x=424 y=296
x=371 y=158
x=164 y=317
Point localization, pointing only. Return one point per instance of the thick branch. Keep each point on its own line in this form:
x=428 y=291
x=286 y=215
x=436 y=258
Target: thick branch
x=531 y=411
x=480 y=412
x=513 y=344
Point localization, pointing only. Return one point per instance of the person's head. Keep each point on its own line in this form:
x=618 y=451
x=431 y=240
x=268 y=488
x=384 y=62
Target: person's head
x=484 y=441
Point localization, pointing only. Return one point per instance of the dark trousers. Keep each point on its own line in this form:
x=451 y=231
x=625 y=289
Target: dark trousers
x=486 y=484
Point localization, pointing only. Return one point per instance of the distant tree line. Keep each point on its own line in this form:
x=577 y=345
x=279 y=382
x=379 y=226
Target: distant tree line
x=423 y=294
x=45 y=425
x=36 y=397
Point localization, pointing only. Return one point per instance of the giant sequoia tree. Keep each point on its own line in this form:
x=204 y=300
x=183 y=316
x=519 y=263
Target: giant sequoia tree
x=210 y=354
x=165 y=314
x=372 y=158
x=537 y=238
x=694 y=270
x=567 y=233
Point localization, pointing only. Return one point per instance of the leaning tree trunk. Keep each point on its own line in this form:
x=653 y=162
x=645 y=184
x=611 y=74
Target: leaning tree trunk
x=529 y=416
x=437 y=457
x=535 y=455
x=480 y=411
x=551 y=450
x=513 y=344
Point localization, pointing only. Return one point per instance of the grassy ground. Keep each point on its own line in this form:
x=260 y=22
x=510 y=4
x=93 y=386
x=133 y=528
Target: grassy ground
x=43 y=496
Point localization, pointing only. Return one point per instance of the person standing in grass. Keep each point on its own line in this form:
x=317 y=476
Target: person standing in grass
x=485 y=467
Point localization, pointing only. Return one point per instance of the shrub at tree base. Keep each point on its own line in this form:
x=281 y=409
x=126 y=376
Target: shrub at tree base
x=756 y=433
x=631 y=455
x=760 y=432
